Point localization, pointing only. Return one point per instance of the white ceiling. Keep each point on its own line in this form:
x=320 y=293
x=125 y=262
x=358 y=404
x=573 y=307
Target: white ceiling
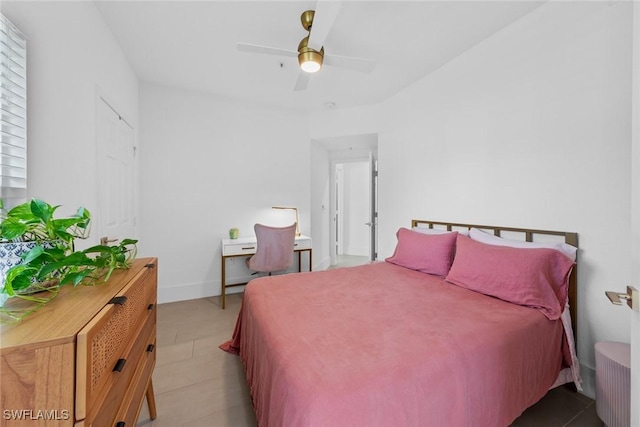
x=192 y=44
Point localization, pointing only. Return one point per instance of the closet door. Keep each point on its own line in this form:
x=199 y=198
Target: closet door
x=116 y=175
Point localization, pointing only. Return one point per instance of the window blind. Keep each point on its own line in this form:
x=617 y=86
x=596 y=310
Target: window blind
x=13 y=110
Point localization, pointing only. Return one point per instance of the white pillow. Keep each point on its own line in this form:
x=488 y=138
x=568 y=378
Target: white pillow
x=490 y=239
x=426 y=230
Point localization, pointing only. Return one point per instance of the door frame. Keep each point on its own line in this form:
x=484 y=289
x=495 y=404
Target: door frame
x=98 y=215
x=336 y=225
x=635 y=214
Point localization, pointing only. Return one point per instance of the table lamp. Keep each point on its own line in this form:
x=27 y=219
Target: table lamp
x=291 y=209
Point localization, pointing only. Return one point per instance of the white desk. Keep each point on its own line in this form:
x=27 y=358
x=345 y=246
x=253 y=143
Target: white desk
x=246 y=246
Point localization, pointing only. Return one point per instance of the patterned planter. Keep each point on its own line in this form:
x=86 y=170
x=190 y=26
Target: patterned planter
x=11 y=255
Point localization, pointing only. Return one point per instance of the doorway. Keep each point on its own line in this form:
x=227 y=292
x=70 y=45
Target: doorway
x=341 y=190
x=354 y=219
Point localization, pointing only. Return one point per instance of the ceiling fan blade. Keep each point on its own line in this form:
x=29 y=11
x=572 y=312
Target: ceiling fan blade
x=325 y=14
x=362 y=65
x=254 y=48
x=302 y=82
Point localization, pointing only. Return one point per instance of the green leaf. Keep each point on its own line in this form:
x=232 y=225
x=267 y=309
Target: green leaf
x=12 y=228
x=34 y=253
x=42 y=210
x=75 y=277
x=18 y=277
x=49 y=270
x=78 y=259
x=99 y=249
x=57 y=253
x=83 y=213
x=22 y=211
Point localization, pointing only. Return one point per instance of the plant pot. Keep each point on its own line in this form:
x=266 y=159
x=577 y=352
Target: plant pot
x=11 y=254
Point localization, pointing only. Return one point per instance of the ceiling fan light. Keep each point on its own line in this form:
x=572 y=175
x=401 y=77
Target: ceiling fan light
x=310 y=61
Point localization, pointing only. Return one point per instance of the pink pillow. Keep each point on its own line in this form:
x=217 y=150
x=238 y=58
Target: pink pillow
x=428 y=253
x=534 y=278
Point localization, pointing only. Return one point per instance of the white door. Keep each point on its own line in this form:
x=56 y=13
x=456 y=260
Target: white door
x=635 y=217
x=116 y=175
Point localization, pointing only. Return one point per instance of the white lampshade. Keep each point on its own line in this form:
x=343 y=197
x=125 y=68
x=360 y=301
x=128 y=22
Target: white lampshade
x=310 y=61
x=310 y=67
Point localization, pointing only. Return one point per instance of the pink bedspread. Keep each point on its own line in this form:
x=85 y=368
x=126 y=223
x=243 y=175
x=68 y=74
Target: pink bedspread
x=382 y=345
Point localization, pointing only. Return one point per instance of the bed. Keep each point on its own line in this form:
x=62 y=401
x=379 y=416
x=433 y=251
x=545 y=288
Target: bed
x=464 y=325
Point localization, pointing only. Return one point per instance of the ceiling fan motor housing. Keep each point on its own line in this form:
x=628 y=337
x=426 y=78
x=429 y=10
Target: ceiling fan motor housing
x=307 y=19
x=307 y=54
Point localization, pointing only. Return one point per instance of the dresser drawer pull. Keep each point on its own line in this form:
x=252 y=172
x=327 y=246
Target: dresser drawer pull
x=150 y=307
x=150 y=347
x=120 y=424
x=150 y=265
x=118 y=300
x=119 y=365
x=248 y=247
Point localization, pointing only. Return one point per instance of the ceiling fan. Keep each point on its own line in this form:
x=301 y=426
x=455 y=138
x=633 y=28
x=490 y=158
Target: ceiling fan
x=311 y=55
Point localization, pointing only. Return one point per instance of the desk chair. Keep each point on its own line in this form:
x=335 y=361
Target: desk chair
x=274 y=251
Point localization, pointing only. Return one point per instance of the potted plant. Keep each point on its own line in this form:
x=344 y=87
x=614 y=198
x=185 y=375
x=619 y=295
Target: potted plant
x=38 y=256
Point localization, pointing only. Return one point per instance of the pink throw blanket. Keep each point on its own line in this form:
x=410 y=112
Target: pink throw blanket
x=382 y=345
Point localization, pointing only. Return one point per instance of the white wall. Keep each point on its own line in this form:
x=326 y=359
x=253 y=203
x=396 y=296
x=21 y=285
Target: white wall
x=321 y=182
x=209 y=164
x=530 y=128
x=71 y=58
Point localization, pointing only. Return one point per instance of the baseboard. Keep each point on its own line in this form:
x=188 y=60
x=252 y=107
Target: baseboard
x=322 y=265
x=186 y=292
x=357 y=250
x=588 y=375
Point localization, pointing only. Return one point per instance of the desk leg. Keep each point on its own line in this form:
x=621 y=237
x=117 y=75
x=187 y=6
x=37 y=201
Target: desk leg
x=300 y=259
x=223 y=283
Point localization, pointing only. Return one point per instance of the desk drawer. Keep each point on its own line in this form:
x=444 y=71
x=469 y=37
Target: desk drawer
x=240 y=249
x=302 y=244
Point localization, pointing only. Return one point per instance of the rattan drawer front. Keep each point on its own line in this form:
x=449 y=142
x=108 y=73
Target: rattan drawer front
x=132 y=403
x=112 y=403
x=108 y=338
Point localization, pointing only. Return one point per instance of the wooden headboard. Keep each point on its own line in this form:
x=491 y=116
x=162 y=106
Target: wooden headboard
x=527 y=235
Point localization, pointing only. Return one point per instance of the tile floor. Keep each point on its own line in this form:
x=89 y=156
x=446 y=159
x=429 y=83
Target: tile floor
x=350 y=260
x=197 y=384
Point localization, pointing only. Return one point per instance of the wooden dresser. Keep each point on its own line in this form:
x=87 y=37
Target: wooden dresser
x=86 y=358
